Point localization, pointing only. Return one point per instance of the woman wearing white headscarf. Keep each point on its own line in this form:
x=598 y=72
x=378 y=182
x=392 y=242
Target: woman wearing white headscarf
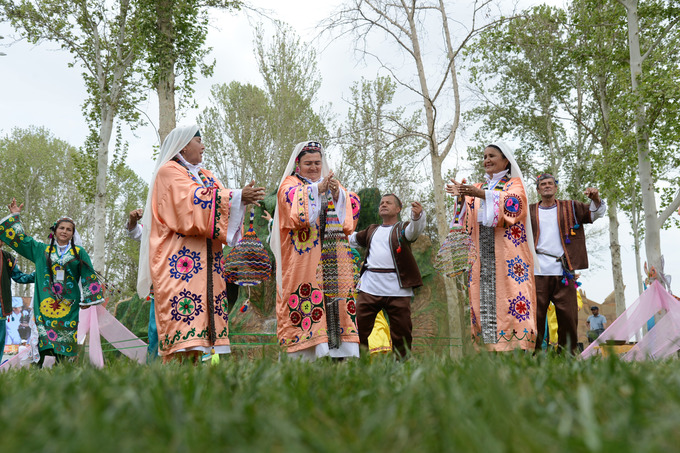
x=302 y=317
x=502 y=291
x=189 y=216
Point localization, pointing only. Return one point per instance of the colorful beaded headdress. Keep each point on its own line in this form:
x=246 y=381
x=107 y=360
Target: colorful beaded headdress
x=247 y=264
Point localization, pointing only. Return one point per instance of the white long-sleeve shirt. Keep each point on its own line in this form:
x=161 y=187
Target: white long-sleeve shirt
x=549 y=241
x=380 y=257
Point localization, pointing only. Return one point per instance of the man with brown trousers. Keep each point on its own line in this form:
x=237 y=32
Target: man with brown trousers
x=389 y=272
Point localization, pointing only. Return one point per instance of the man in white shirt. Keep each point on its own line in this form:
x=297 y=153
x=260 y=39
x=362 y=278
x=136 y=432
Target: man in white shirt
x=390 y=272
x=561 y=250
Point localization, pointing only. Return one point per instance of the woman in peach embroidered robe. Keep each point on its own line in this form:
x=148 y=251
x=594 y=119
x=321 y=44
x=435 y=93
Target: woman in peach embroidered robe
x=502 y=291
x=189 y=216
x=300 y=309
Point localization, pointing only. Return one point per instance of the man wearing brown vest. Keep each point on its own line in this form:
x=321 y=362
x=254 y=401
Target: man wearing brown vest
x=561 y=250
x=389 y=272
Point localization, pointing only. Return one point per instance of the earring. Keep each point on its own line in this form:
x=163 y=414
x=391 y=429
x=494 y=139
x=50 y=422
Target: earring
x=297 y=169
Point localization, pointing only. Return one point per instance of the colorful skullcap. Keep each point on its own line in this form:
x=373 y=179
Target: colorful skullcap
x=310 y=147
x=60 y=219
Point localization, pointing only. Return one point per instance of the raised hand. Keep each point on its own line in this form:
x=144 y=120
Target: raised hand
x=13 y=208
x=334 y=186
x=135 y=216
x=593 y=194
x=325 y=184
x=452 y=188
x=466 y=190
x=251 y=194
x=416 y=210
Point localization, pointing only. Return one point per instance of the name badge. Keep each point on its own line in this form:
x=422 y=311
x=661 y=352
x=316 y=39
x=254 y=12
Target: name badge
x=60 y=275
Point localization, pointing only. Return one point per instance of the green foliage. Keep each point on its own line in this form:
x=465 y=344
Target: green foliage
x=481 y=403
x=524 y=71
x=252 y=131
x=172 y=36
x=53 y=179
x=378 y=140
x=126 y=192
x=370 y=202
x=134 y=314
x=238 y=135
x=292 y=80
x=100 y=36
x=36 y=168
x=559 y=81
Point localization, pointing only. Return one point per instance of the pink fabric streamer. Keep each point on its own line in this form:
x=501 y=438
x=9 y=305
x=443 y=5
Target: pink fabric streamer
x=88 y=326
x=100 y=321
x=661 y=341
x=15 y=362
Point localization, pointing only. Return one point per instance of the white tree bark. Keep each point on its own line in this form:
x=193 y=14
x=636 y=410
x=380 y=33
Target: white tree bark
x=615 y=248
x=653 y=221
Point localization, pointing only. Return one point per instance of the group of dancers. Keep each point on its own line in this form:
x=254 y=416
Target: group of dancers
x=523 y=257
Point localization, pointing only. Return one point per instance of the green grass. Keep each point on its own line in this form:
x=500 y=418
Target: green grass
x=482 y=403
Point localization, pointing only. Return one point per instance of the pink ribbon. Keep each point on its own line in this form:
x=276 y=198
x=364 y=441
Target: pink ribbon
x=15 y=362
x=96 y=321
x=88 y=326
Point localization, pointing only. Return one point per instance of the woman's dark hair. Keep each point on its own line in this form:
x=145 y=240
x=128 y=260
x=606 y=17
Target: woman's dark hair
x=52 y=246
x=507 y=167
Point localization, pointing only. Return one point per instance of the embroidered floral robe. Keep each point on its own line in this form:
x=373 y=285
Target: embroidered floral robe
x=502 y=291
x=300 y=310
x=56 y=310
x=188 y=230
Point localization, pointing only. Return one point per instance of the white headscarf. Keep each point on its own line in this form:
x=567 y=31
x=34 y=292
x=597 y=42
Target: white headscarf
x=516 y=172
x=275 y=240
x=176 y=140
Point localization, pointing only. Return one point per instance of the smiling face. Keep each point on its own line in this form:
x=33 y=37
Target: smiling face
x=64 y=232
x=193 y=152
x=310 y=166
x=494 y=161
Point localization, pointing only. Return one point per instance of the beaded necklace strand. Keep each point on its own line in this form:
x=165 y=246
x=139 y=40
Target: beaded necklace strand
x=204 y=181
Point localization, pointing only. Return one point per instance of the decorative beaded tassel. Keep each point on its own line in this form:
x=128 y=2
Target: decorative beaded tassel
x=247 y=264
x=335 y=272
x=455 y=255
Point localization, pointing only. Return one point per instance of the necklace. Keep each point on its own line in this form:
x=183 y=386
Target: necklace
x=204 y=181
x=500 y=185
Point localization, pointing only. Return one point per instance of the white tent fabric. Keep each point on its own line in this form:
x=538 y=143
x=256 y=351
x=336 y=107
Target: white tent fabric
x=660 y=342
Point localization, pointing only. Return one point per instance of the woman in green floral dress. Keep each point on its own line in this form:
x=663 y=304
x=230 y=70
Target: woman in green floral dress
x=60 y=266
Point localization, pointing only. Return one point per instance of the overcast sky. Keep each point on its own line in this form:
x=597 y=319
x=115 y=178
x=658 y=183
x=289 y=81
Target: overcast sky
x=38 y=88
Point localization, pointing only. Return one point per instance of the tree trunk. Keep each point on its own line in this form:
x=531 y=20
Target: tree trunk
x=453 y=304
x=166 y=105
x=98 y=253
x=635 y=224
x=615 y=247
x=652 y=226
x=166 y=71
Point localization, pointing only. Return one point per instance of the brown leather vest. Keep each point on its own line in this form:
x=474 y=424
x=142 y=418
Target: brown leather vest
x=404 y=261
